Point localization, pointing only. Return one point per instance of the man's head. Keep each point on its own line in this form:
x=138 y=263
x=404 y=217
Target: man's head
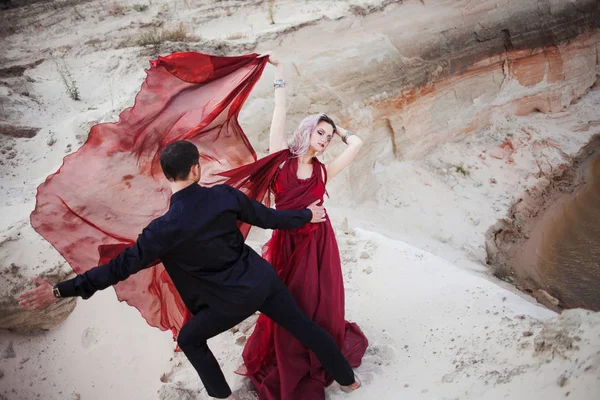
x=180 y=162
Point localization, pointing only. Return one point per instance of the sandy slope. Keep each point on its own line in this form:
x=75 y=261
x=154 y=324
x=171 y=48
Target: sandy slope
x=438 y=331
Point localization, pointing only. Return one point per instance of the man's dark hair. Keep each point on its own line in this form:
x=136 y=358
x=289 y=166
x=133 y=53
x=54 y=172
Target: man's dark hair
x=177 y=159
x=325 y=118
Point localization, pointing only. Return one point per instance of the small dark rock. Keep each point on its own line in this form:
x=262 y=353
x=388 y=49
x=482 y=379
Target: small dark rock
x=9 y=352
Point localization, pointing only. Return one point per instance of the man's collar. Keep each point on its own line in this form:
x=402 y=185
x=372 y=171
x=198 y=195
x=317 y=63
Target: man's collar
x=175 y=197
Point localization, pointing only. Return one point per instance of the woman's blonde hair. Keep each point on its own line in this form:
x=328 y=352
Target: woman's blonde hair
x=299 y=143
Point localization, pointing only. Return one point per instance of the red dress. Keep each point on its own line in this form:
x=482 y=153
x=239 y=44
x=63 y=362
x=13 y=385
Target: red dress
x=308 y=261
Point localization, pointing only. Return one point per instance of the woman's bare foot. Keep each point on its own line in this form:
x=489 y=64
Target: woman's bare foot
x=352 y=387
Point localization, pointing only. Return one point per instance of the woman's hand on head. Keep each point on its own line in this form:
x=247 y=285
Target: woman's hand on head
x=339 y=130
x=271 y=58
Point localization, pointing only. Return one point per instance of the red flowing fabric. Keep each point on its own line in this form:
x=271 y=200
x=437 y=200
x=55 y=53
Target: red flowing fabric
x=308 y=261
x=103 y=195
x=255 y=179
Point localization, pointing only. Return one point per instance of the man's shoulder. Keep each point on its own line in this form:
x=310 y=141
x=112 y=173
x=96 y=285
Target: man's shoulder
x=208 y=197
x=222 y=188
x=222 y=191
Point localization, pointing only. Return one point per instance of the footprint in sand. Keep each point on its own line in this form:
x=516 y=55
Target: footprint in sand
x=245 y=395
x=376 y=357
x=246 y=392
x=89 y=338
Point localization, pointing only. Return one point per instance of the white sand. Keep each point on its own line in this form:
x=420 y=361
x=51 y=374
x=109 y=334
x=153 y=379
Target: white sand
x=104 y=350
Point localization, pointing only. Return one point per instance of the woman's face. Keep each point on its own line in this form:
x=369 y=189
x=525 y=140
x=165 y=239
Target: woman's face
x=321 y=137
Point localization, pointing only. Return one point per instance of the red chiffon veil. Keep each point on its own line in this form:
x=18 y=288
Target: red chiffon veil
x=106 y=192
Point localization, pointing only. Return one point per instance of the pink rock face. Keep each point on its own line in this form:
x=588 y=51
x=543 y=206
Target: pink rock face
x=531 y=70
x=419 y=78
x=514 y=83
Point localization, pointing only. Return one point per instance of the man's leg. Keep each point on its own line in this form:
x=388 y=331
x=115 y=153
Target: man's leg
x=281 y=307
x=192 y=340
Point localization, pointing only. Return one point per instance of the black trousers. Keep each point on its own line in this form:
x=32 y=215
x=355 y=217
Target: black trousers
x=281 y=307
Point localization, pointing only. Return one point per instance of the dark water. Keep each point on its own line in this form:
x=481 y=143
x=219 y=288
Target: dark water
x=568 y=260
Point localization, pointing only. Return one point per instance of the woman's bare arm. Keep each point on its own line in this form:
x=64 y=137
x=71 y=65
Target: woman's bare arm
x=338 y=164
x=277 y=139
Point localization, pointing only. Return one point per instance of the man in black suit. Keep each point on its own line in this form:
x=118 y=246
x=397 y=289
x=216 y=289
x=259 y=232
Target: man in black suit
x=221 y=280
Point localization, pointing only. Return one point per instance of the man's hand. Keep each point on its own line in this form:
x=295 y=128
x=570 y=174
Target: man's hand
x=39 y=297
x=318 y=213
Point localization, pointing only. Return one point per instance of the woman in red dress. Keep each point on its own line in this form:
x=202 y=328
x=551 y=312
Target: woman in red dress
x=307 y=259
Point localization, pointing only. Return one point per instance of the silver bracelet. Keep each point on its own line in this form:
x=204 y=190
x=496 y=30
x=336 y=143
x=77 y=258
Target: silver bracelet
x=278 y=83
x=346 y=136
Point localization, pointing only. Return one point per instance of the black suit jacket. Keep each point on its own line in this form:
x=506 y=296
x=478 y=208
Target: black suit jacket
x=202 y=249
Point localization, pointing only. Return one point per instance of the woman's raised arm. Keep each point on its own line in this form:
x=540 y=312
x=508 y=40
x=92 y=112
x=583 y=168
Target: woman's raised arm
x=277 y=139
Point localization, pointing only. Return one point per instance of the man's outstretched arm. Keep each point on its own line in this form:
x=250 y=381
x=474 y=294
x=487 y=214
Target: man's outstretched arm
x=142 y=254
x=255 y=213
